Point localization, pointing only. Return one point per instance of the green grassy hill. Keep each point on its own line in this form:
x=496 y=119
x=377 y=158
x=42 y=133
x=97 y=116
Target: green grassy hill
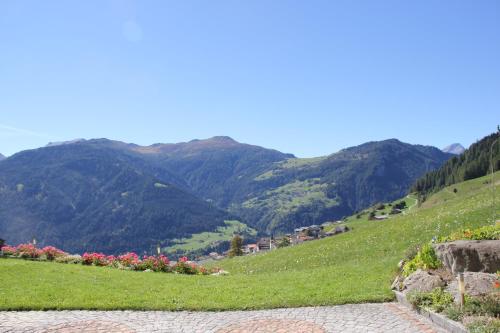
x=357 y=266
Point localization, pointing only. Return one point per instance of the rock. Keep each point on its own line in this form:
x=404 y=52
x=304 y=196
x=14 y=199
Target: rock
x=397 y=284
x=401 y=263
x=470 y=256
x=422 y=281
x=476 y=284
x=341 y=229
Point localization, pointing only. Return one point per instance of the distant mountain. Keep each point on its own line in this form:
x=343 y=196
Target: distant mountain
x=59 y=143
x=472 y=163
x=454 y=148
x=2 y=157
x=311 y=191
x=112 y=196
x=83 y=197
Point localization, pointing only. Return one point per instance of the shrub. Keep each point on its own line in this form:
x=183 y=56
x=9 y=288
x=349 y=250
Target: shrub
x=8 y=250
x=130 y=260
x=484 y=325
x=28 y=251
x=95 y=259
x=454 y=312
x=284 y=242
x=51 y=252
x=69 y=259
x=491 y=232
x=411 y=252
x=156 y=264
x=425 y=258
x=183 y=266
x=488 y=305
x=437 y=299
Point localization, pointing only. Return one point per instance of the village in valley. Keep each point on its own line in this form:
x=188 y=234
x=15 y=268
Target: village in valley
x=300 y=235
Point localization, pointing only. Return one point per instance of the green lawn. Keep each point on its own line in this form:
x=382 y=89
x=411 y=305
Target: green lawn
x=353 y=267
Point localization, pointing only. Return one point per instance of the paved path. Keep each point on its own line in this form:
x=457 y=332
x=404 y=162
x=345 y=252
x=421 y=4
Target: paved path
x=386 y=317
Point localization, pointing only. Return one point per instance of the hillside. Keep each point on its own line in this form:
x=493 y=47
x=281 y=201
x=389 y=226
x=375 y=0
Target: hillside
x=473 y=163
x=276 y=192
x=80 y=197
x=353 y=267
x=125 y=196
x=311 y=191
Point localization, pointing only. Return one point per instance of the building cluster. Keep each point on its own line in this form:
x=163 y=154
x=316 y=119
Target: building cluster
x=300 y=235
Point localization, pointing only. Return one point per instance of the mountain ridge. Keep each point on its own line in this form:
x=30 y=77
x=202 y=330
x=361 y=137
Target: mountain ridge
x=85 y=184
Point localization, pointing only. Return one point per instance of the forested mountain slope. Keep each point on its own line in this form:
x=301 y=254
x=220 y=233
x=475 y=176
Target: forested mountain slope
x=474 y=162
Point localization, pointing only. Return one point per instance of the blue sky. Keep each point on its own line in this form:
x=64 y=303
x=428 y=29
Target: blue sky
x=304 y=77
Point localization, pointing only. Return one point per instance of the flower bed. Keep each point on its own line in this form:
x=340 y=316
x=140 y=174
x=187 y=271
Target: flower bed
x=128 y=261
x=30 y=251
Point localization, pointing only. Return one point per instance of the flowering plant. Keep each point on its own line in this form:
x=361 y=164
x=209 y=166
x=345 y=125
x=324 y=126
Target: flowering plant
x=9 y=250
x=156 y=264
x=96 y=259
x=28 y=251
x=51 y=252
x=128 y=260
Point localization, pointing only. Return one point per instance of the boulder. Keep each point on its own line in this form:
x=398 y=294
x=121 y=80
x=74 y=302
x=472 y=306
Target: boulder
x=470 y=256
x=422 y=281
x=476 y=284
x=397 y=284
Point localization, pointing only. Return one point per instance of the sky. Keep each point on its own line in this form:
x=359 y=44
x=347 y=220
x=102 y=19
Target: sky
x=303 y=77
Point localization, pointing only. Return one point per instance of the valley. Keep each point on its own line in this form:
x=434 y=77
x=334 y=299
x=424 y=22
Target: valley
x=357 y=266
x=104 y=195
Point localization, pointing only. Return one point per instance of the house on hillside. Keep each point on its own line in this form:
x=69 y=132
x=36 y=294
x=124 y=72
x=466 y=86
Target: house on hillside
x=265 y=244
x=250 y=248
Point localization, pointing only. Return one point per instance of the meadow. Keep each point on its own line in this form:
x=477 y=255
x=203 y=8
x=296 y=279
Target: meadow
x=357 y=266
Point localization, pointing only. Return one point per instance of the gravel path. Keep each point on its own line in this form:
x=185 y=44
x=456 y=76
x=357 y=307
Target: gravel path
x=365 y=318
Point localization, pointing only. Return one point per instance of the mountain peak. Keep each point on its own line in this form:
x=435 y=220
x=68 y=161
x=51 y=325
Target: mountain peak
x=222 y=138
x=454 y=148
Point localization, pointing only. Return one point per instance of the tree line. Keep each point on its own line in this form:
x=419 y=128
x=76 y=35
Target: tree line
x=473 y=163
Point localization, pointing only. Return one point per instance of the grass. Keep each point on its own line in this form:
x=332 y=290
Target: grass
x=411 y=202
x=353 y=267
x=293 y=195
x=207 y=239
x=289 y=164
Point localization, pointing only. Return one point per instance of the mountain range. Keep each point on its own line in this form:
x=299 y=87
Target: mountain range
x=105 y=195
x=2 y=157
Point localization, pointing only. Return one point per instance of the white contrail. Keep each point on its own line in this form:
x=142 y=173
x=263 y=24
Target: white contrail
x=16 y=131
